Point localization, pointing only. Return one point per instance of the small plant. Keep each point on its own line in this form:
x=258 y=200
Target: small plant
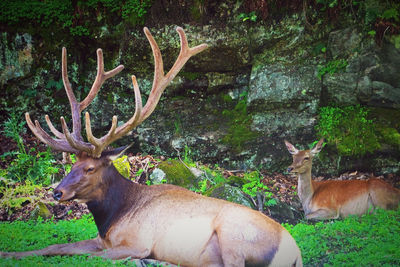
x=349 y=129
x=15 y=195
x=257 y=190
x=35 y=166
x=332 y=67
x=252 y=16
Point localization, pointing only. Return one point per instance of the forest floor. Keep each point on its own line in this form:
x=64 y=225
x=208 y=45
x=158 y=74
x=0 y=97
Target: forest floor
x=283 y=187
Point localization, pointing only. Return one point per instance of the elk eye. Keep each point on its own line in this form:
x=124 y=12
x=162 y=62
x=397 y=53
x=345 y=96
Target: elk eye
x=90 y=169
x=306 y=158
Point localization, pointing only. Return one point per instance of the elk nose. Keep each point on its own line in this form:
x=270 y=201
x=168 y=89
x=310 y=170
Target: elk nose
x=290 y=169
x=57 y=195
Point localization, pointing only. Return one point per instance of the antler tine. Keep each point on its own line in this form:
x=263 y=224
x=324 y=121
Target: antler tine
x=53 y=129
x=101 y=77
x=73 y=142
x=114 y=133
x=161 y=81
x=56 y=144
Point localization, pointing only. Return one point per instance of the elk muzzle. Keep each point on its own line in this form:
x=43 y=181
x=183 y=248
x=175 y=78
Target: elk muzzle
x=57 y=194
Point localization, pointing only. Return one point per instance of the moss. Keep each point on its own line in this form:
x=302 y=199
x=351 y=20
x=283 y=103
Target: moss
x=122 y=165
x=349 y=129
x=390 y=136
x=177 y=173
x=239 y=122
x=41 y=211
x=191 y=76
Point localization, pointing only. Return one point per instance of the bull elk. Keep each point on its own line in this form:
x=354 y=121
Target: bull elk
x=162 y=222
x=334 y=199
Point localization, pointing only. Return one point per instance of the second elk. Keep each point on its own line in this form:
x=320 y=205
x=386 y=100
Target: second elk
x=334 y=199
x=162 y=222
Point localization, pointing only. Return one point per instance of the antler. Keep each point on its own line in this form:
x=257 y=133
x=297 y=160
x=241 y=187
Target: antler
x=73 y=142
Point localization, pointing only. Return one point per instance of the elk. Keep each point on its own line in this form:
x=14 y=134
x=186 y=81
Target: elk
x=163 y=222
x=333 y=199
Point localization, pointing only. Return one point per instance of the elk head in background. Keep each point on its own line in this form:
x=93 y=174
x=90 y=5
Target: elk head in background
x=164 y=222
x=334 y=199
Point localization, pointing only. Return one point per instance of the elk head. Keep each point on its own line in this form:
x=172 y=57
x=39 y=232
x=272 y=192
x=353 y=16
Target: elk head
x=93 y=158
x=302 y=159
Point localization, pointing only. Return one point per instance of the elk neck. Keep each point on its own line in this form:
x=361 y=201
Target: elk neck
x=305 y=188
x=119 y=196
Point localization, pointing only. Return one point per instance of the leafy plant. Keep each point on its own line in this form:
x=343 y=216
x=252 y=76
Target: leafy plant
x=74 y=16
x=252 y=16
x=257 y=190
x=349 y=129
x=15 y=195
x=35 y=166
x=332 y=67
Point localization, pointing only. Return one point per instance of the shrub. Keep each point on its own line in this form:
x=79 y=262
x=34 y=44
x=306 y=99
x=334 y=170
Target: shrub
x=35 y=166
x=349 y=129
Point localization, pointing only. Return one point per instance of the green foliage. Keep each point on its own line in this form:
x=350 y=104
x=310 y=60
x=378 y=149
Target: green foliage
x=35 y=166
x=332 y=67
x=327 y=3
x=349 y=129
x=80 y=18
x=389 y=136
x=391 y=13
x=122 y=165
x=255 y=188
x=239 y=122
x=14 y=195
x=177 y=173
x=370 y=240
x=252 y=16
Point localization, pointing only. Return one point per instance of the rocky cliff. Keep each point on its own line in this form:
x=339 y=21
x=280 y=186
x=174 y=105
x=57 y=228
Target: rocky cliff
x=234 y=104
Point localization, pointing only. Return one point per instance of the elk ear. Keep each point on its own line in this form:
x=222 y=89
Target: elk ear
x=317 y=147
x=291 y=148
x=115 y=153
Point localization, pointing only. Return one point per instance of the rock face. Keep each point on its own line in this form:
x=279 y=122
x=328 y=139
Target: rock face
x=236 y=102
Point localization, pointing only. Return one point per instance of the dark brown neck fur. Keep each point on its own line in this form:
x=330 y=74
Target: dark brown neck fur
x=120 y=195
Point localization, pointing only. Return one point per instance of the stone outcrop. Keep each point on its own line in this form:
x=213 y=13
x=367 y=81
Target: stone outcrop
x=235 y=103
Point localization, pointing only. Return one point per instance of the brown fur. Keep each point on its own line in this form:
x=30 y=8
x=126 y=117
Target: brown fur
x=333 y=199
x=168 y=223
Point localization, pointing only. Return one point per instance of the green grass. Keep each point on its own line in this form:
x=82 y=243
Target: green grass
x=370 y=240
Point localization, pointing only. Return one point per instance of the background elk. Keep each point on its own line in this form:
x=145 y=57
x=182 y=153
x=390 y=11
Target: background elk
x=162 y=222
x=334 y=199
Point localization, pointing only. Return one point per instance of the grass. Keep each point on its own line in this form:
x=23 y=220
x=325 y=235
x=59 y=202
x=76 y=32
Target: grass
x=370 y=240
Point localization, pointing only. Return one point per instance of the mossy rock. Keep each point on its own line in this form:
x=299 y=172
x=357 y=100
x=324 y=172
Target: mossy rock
x=230 y=193
x=236 y=180
x=42 y=211
x=177 y=173
x=122 y=165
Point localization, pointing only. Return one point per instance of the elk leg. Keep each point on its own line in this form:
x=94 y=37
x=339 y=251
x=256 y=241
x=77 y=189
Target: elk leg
x=323 y=214
x=81 y=247
x=118 y=253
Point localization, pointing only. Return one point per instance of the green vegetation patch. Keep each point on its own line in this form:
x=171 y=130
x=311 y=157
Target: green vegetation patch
x=79 y=18
x=349 y=129
x=370 y=240
x=177 y=173
x=13 y=195
x=239 y=122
